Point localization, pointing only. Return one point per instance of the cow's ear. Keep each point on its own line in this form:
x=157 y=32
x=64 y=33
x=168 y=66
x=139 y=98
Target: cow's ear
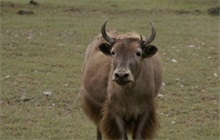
x=149 y=51
x=105 y=48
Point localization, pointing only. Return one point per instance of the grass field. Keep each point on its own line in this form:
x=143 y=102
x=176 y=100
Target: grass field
x=42 y=56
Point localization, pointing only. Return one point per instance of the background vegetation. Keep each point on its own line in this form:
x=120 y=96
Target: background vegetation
x=42 y=52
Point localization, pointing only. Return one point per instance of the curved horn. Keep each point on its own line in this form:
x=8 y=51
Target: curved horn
x=152 y=36
x=141 y=38
x=105 y=36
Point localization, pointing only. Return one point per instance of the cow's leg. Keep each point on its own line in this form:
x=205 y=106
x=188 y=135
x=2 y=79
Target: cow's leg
x=113 y=126
x=99 y=134
x=146 y=126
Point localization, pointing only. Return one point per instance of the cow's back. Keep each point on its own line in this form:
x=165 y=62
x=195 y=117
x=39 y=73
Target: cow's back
x=156 y=72
x=95 y=78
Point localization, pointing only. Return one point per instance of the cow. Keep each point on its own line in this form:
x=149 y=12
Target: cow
x=122 y=75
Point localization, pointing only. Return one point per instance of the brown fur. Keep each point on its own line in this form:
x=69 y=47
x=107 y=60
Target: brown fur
x=118 y=109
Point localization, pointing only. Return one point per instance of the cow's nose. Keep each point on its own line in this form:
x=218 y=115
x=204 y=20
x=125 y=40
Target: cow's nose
x=121 y=75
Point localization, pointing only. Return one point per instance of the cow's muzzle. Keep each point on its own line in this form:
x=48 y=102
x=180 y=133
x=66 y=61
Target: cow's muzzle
x=122 y=76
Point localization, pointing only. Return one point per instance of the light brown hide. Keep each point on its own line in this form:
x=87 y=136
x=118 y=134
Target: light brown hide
x=117 y=109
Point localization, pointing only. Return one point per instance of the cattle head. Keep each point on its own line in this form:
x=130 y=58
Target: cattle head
x=127 y=55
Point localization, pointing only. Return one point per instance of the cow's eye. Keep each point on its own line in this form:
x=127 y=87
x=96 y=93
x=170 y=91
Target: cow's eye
x=138 y=53
x=113 y=54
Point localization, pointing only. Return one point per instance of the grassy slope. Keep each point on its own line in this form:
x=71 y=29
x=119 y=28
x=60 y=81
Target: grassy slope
x=45 y=52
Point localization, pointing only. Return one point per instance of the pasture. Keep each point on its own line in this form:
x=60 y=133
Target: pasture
x=42 y=54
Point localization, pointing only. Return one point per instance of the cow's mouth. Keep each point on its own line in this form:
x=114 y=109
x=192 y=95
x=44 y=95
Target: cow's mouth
x=121 y=82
